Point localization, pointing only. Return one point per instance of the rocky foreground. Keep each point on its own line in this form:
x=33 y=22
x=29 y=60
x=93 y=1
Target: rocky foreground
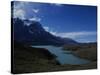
x=30 y=60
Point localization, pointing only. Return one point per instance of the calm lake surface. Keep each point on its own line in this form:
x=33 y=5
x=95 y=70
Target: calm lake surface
x=64 y=57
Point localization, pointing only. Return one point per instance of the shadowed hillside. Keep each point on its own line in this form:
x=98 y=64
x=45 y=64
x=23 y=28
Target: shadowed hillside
x=28 y=59
x=35 y=34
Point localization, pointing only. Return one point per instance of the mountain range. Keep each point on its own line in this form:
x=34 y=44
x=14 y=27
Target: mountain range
x=32 y=32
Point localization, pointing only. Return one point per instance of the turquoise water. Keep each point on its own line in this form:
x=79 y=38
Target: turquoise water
x=64 y=57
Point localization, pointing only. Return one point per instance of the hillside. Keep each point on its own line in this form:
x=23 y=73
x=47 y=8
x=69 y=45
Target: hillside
x=85 y=50
x=29 y=60
x=32 y=32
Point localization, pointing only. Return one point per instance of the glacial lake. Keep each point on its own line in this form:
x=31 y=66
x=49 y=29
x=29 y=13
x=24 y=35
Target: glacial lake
x=64 y=57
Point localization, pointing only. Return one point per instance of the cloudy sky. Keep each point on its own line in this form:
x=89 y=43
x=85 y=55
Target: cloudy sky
x=68 y=21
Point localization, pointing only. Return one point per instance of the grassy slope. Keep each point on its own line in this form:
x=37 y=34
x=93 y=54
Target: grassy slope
x=86 y=51
x=28 y=60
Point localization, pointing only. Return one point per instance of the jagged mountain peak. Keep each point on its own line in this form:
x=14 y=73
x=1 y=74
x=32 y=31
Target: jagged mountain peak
x=34 y=33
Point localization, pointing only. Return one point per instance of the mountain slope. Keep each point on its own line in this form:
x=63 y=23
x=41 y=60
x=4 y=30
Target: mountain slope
x=32 y=32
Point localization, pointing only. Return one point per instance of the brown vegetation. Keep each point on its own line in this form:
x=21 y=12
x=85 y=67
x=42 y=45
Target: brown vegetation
x=30 y=60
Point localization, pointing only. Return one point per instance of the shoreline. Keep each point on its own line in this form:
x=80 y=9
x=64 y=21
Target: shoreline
x=32 y=60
